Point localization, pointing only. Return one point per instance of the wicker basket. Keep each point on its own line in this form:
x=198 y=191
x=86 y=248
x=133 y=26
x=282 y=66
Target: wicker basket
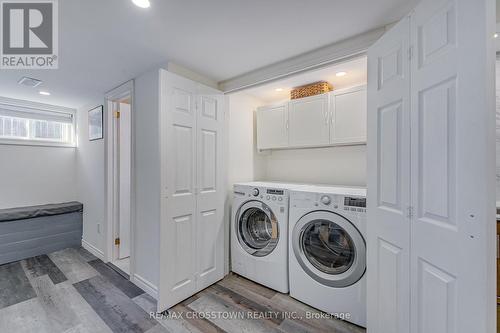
x=311 y=90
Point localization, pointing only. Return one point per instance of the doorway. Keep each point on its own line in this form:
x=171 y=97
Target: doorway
x=119 y=178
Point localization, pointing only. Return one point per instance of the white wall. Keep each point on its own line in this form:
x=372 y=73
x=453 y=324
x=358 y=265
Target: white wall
x=344 y=165
x=147 y=179
x=498 y=131
x=91 y=174
x=91 y=181
x=244 y=163
x=36 y=175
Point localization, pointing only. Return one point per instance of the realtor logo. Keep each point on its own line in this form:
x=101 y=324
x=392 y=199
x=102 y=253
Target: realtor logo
x=29 y=34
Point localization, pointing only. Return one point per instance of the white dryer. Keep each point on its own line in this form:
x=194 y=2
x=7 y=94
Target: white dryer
x=327 y=260
x=259 y=233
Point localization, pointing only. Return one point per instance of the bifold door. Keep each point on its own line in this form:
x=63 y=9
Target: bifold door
x=388 y=230
x=192 y=204
x=431 y=179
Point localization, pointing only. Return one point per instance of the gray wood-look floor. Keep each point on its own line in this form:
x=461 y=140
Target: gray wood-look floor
x=71 y=291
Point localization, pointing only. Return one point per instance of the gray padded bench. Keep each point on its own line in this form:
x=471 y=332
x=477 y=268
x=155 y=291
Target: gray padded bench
x=30 y=231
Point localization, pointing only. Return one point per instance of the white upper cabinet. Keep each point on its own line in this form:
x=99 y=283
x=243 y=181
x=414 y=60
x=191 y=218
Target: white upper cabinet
x=272 y=127
x=309 y=121
x=336 y=118
x=348 y=116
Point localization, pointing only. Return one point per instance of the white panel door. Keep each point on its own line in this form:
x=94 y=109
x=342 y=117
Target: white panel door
x=348 y=116
x=309 y=121
x=124 y=165
x=450 y=180
x=178 y=203
x=388 y=197
x=210 y=187
x=272 y=127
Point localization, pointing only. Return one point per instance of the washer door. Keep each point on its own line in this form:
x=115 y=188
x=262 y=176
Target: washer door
x=330 y=249
x=257 y=228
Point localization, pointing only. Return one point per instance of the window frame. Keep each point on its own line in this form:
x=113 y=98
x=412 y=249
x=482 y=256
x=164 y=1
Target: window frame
x=32 y=108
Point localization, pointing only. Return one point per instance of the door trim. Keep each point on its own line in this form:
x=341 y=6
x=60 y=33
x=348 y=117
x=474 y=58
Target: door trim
x=126 y=89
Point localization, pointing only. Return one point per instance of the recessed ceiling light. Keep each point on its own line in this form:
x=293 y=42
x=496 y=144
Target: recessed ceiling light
x=142 y=3
x=44 y=93
x=279 y=89
x=495 y=35
x=339 y=74
x=29 y=82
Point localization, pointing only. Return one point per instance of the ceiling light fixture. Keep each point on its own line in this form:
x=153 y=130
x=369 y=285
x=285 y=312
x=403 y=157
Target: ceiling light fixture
x=279 y=89
x=495 y=35
x=142 y=3
x=339 y=74
x=44 y=93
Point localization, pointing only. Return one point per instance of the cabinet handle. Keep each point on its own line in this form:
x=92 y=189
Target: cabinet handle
x=326 y=118
x=287 y=124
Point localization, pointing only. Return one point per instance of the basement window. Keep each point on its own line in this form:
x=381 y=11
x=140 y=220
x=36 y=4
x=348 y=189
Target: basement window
x=36 y=125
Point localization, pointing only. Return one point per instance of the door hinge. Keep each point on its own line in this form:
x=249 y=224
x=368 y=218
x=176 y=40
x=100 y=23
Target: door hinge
x=410 y=53
x=409 y=212
x=117 y=241
x=116 y=114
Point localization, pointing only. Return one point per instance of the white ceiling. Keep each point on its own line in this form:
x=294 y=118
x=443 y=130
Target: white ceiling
x=356 y=75
x=106 y=42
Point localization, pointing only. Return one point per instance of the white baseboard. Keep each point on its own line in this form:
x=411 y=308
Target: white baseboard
x=145 y=285
x=92 y=249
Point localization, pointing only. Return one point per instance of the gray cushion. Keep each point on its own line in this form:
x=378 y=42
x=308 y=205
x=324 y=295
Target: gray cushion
x=12 y=214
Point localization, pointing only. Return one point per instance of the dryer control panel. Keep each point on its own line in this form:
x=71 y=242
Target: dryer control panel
x=355 y=204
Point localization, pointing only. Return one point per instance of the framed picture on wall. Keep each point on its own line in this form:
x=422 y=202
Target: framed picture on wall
x=95 y=123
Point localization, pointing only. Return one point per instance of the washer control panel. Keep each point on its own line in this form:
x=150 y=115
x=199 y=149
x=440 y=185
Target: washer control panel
x=279 y=196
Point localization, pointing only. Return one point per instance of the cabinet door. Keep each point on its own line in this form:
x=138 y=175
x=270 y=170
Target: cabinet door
x=348 y=116
x=308 y=123
x=272 y=127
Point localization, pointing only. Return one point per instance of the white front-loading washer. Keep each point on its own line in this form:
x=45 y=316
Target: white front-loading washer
x=327 y=259
x=259 y=233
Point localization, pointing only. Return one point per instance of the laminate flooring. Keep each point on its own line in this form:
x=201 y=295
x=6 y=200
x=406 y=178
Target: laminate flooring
x=71 y=291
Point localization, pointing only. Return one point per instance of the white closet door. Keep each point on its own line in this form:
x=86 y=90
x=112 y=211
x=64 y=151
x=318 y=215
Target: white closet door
x=210 y=187
x=452 y=117
x=178 y=230
x=388 y=228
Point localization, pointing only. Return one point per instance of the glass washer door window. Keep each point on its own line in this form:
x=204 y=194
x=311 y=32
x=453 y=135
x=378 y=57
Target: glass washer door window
x=329 y=248
x=257 y=228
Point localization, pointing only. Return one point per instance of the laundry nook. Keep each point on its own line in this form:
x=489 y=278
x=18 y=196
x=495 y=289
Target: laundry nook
x=249 y=166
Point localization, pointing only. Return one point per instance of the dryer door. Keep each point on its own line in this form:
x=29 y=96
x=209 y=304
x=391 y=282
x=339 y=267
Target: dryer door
x=257 y=228
x=330 y=249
